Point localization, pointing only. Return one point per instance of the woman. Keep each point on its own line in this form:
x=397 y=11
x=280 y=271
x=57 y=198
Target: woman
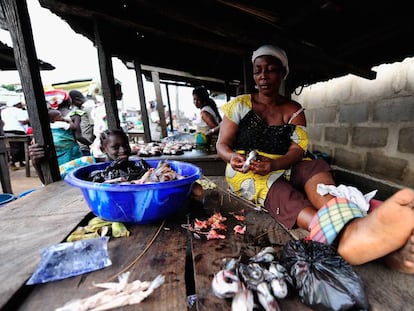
x=208 y=122
x=65 y=139
x=284 y=182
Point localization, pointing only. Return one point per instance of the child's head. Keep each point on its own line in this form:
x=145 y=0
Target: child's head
x=55 y=115
x=115 y=144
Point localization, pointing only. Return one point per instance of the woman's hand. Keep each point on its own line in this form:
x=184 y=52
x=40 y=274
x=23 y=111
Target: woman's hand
x=261 y=166
x=236 y=161
x=36 y=152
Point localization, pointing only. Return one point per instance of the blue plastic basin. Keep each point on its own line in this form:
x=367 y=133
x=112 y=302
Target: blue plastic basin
x=6 y=198
x=130 y=203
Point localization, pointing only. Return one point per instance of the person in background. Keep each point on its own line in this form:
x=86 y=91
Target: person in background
x=99 y=119
x=114 y=144
x=208 y=121
x=86 y=121
x=67 y=148
x=16 y=120
x=285 y=182
x=60 y=100
x=57 y=121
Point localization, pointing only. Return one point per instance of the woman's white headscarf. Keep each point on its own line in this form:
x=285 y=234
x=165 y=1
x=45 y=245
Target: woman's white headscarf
x=272 y=51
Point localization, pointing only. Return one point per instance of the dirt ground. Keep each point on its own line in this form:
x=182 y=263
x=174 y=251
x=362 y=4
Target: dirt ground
x=21 y=183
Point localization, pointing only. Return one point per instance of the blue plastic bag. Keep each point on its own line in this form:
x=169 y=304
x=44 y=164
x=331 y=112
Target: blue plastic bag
x=69 y=259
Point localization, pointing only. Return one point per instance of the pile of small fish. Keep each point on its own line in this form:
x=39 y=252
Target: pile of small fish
x=134 y=172
x=260 y=279
x=115 y=294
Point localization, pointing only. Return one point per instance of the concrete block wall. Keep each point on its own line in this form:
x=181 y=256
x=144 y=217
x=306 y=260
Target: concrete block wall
x=366 y=126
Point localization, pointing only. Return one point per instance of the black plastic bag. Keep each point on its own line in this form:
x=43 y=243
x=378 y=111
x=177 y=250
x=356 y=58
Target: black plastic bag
x=324 y=280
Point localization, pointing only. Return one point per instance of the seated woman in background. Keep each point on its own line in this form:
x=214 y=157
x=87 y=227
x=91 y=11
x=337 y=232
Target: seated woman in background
x=208 y=122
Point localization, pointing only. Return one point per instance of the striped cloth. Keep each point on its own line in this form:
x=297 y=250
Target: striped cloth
x=332 y=218
x=67 y=167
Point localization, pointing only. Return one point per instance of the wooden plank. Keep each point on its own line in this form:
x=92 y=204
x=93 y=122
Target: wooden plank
x=262 y=230
x=18 y=22
x=165 y=256
x=39 y=219
x=385 y=289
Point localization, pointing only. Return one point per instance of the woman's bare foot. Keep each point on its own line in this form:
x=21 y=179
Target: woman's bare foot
x=403 y=259
x=388 y=230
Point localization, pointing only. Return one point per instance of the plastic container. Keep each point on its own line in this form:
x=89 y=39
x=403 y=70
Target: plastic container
x=6 y=198
x=135 y=203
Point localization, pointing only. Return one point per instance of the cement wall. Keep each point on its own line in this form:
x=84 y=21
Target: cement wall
x=366 y=126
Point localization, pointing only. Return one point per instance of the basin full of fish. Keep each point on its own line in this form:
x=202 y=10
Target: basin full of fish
x=260 y=281
x=134 y=172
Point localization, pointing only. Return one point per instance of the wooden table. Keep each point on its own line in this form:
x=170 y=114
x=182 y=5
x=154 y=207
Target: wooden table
x=44 y=218
x=26 y=139
x=210 y=163
x=135 y=135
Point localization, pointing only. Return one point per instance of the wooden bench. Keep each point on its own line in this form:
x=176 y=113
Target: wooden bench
x=46 y=217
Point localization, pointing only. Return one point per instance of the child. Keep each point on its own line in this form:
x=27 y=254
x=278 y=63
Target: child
x=114 y=144
x=58 y=122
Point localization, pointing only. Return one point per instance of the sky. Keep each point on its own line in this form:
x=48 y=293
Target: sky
x=75 y=57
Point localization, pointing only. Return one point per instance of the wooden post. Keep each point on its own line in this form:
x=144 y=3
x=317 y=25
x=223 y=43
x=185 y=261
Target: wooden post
x=143 y=102
x=18 y=21
x=169 y=107
x=160 y=106
x=107 y=77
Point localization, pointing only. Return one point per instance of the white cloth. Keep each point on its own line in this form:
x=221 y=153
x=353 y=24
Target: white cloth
x=201 y=125
x=60 y=125
x=12 y=118
x=348 y=192
x=275 y=52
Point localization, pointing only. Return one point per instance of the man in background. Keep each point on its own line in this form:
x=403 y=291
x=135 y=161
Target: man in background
x=16 y=120
x=87 y=123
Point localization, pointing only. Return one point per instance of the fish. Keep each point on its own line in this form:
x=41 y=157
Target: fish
x=252 y=274
x=265 y=297
x=252 y=155
x=279 y=280
x=279 y=288
x=266 y=255
x=226 y=284
x=243 y=301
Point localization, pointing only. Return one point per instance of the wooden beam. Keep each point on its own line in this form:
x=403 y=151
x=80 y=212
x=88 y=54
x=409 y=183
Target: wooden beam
x=160 y=105
x=18 y=21
x=107 y=76
x=143 y=102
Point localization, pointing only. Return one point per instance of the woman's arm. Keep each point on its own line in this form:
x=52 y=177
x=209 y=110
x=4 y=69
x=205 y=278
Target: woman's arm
x=37 y=153
x=208 y=118
x=228 y=131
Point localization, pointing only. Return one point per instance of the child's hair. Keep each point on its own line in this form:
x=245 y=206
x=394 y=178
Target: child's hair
x=54 y=115
x=105 y=134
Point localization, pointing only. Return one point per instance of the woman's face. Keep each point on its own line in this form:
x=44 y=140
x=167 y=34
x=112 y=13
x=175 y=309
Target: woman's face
x=198 y=102
x=268 y=74
x=116 y=147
